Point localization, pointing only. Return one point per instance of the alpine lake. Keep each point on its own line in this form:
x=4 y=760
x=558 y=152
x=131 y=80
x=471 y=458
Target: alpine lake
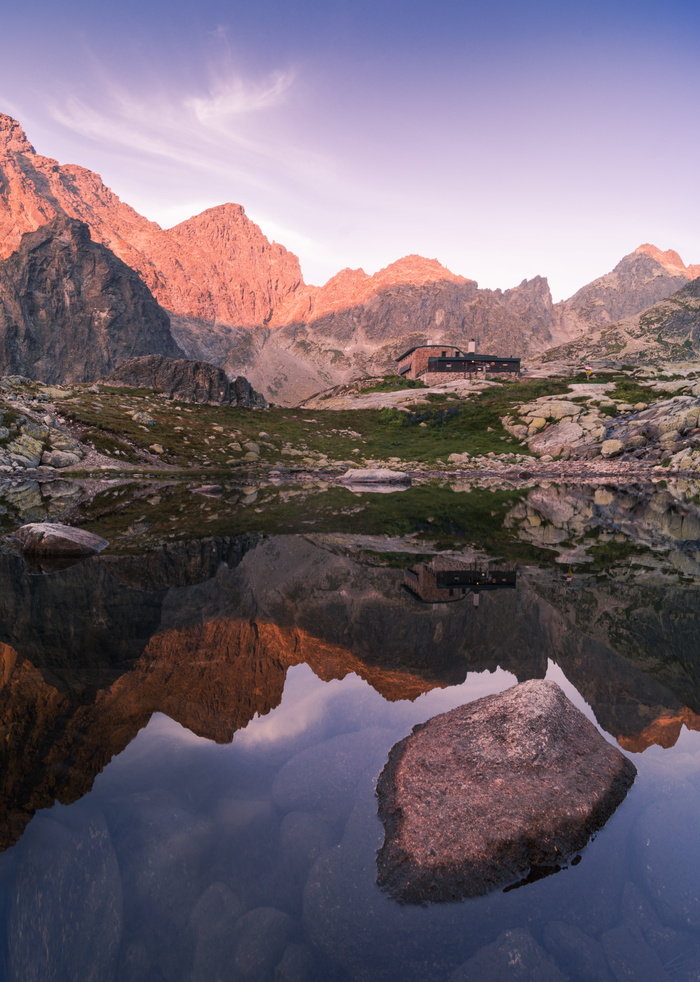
x=194 y=722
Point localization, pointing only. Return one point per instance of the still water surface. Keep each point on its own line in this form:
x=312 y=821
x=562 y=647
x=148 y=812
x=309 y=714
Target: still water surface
x=192 y=738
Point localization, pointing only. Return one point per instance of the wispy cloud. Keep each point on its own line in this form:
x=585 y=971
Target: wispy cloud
x=226 y=127
x=237 y=96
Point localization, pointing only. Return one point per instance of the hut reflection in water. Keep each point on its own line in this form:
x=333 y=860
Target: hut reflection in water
x=446 y=580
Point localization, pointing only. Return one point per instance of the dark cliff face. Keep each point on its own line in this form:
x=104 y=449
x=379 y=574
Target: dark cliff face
x=70 y=311
x=186 y=381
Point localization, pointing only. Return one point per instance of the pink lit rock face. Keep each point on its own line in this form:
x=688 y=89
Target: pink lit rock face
x=239 y=301
x=641 y=279
x=481 y=796
x=217 y=265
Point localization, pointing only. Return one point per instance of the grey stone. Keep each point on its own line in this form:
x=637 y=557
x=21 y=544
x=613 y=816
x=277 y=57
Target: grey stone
x=58 y=440
x=671 y=945
x=379 y=475
x=298 y=964
x=322 y=779
x=48 y=539
x=159 y=845
x=303 y=838
x=260 y=939
x=514 y=956
x=355 y=925
x=210 y=931
x=59 y=458
x=630 y=957
x=66 y=919
x=25 y=450
x=611 y=448
x=143 y=419
x=577 y=955
x=488 y=791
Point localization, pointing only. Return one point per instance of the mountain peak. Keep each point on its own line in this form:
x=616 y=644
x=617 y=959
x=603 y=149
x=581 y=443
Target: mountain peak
x=13 y=137
x=416 y=270
x=670 y=259
x=217 y=214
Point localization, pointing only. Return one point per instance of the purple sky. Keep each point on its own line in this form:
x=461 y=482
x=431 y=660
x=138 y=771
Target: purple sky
x=506 y=141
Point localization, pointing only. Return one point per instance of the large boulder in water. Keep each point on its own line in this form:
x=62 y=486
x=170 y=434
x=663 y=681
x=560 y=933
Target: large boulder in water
x=509 y=785
x=50 y=539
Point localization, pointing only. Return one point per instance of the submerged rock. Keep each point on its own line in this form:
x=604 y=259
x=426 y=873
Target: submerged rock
x=514 y=955
x=509 y=785
x=48 y=539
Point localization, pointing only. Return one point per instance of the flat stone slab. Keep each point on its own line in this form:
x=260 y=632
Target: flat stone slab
x=48 y=539
x=482 y=796
x=379 y=475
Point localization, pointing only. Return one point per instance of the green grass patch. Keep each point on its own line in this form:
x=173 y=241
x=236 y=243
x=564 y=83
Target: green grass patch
x=606 y=554
x=201 y=436
x=393 y=383
x=628 y=390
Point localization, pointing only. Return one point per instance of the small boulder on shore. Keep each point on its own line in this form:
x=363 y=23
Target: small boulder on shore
x=49 y=539
x=379 y=475
x=483 y=795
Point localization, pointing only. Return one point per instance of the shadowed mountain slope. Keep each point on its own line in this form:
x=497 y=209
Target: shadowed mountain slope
x=668 y=331
x=70 y=311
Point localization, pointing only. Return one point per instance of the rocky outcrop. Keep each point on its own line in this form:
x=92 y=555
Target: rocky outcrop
x=70 y=310
x=493 y=790
x=186 y=381
x=602 y=423
x=29 y=440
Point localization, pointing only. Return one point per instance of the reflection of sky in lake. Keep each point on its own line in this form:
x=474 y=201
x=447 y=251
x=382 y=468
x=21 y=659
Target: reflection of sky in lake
x=264 y=850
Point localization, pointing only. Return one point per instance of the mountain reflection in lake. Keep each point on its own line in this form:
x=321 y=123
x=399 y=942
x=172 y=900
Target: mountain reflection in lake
x=192 y=736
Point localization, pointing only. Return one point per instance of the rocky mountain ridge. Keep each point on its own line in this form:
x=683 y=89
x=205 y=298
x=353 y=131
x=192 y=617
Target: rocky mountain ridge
x=667 y=331
x=641 y=279
x=188 y=268
x=239 y=301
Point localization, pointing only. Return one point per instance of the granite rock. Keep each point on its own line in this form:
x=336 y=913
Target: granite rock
x=489 y=792
x=49 y=539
